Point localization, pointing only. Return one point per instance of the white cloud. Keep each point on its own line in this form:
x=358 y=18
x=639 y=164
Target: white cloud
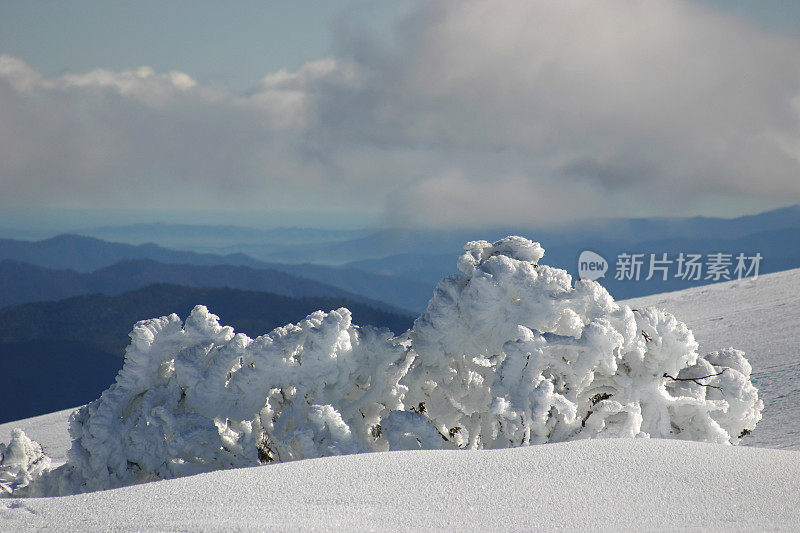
x=18 y=74
x=479 y=112
x=141 y=84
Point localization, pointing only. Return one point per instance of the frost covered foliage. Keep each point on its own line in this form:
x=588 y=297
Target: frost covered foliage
x=21 y=461
x=193 y=397
x=508 y=353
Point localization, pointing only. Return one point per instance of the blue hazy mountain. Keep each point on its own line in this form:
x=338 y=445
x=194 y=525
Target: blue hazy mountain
x=207 y=237
x=396 y=243
x=401 y=266
x=87 y=255
x=42 y=376
x=105 y=321
x=23 y=282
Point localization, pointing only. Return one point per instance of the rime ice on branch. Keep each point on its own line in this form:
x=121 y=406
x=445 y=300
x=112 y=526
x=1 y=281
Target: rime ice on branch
x=508 y=353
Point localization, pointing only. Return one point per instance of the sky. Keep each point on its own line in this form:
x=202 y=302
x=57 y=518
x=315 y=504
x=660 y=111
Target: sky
x=425 y=114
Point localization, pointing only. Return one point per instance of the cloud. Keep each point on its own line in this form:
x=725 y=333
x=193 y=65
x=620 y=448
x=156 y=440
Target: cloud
x=476 y=113
x=142 y=84
x=17 y=74
x=289 y=98
x=650 y=106
x=140 y=139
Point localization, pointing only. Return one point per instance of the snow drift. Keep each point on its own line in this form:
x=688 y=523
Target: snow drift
x=624 y=485
x=509 y=353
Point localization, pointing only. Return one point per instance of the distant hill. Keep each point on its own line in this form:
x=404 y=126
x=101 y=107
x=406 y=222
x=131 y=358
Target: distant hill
x=412 y=294
x=619 y=231
x=105 y=321
x=42 y=375
x=291 y=282
x=206 y=237
x=401 y=266
x=420 y=267
x=24 y=283
x=87 y=254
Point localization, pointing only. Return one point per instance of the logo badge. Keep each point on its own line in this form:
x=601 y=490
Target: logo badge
x=591 y=265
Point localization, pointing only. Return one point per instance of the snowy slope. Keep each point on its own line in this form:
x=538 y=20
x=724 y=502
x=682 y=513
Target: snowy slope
x=599 y=484
x=761 y=317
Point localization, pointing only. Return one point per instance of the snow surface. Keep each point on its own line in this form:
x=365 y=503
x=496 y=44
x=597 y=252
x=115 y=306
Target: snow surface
x=596 y=484
x=762 y=317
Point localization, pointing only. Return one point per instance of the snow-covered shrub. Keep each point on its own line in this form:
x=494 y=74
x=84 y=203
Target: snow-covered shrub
x=508 y=353
x=194 y=397
x=21 y=462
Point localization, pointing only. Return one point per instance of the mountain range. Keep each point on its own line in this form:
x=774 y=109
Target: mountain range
x=207 y=237
x=397 y=266
x=90 y=255
x=341 y=247
x=22 y=282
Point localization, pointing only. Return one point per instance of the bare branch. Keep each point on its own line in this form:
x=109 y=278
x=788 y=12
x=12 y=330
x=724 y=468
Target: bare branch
x=696 y=380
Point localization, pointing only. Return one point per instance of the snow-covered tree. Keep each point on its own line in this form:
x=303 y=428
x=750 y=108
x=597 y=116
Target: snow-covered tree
x=509 y=353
